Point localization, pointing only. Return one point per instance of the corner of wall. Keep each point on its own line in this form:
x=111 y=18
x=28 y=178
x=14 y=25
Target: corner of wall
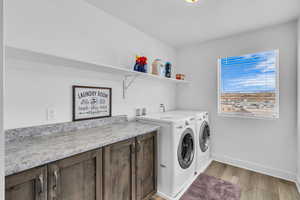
x=298 y=184
x=1 y=103
x=298 y=79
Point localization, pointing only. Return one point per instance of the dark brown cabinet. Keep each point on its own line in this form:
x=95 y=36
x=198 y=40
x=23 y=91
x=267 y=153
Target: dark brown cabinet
x=119 y=171
x=29 y=185
x=122 y=171
x=146 y=169
x=76 y=178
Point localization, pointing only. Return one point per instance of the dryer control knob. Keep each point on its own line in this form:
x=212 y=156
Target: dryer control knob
x=187 y=123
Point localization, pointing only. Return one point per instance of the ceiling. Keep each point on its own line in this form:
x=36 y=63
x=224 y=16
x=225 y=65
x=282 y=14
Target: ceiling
x=177 y=22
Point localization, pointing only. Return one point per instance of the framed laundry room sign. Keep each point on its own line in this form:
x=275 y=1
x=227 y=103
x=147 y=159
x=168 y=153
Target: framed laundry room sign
x=91 y=102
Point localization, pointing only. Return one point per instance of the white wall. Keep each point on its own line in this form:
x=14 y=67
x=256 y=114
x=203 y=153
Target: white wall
x=74 y=29
x=31 y=88
x=298 y=102
x=268 y=146
x=1 y=105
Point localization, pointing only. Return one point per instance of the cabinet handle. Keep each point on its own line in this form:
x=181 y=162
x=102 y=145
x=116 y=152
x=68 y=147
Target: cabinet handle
x=55 y=173
x=41 y=184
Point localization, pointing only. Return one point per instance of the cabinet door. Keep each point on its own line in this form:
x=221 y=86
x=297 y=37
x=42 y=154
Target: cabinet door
x=146 y=166
x=28 y=185
x=119 y=171
x=76 y=178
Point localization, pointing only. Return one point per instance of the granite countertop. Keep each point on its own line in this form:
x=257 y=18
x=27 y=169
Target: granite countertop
x=29 y=152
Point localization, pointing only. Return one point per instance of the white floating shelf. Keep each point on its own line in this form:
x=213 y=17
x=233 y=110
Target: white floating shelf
x=82 y=65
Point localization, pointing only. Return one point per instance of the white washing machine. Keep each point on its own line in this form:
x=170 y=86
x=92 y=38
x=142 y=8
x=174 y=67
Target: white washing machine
x=203 y=157
x=203 y=142
x=176 y=152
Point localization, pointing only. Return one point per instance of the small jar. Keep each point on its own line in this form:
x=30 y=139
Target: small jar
x=155 y=66
x=180 y=76
x=168 y=70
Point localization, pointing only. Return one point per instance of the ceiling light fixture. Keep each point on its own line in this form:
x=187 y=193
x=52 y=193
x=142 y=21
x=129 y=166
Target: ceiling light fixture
x=191 y=1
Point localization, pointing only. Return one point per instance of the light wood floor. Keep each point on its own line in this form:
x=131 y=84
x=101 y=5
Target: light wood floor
x=255 y=186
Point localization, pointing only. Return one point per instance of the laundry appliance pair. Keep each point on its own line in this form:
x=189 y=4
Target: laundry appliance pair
x=183 y=149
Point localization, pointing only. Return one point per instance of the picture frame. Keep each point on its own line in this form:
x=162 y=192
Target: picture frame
x=91 y=102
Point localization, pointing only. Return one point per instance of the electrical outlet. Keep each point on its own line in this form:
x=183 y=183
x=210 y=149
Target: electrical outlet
x=51 y=114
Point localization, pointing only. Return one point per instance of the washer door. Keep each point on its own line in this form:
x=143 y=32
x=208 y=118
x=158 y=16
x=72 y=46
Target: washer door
x=186 y=149
x=204 y=136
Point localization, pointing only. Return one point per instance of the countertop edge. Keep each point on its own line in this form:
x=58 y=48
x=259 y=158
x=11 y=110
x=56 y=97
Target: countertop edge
x=40 y=163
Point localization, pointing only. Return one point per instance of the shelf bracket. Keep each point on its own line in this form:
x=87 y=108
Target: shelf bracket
x=127 y=82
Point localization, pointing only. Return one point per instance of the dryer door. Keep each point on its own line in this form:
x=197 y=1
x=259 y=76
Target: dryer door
x=204 y=136
x=186 y=149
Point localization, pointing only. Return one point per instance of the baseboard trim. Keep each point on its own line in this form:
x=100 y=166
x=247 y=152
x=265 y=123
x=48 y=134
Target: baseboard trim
x=298 y=184
x=256 y=167
x=204 y=167
x=245 y=165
